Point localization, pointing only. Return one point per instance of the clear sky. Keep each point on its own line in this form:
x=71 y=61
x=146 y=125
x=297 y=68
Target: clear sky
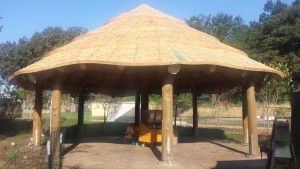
x=24 y=17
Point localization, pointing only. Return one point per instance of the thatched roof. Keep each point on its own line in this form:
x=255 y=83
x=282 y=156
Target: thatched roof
x=143 y=37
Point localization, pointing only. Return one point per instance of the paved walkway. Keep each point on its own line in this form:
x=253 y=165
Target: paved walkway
x=112 y=153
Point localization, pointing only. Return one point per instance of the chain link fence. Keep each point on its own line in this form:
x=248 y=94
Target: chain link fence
x=46 y=156
x=230 y=117
x=33 y=157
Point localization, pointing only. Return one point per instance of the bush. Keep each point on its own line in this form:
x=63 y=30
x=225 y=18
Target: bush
x=10 y=105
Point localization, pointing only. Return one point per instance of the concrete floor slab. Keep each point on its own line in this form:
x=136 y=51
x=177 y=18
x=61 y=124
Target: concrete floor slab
x=202 y=153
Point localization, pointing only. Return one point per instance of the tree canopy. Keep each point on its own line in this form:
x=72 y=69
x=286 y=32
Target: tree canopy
x=16 y=55
x=275 y=38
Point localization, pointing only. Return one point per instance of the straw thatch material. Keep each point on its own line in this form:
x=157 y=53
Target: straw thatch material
x=143 y=37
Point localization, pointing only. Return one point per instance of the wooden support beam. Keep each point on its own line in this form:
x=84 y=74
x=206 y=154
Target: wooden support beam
x=167 y=119
x=37 y=116
x=144 y=94
x=80 y=113
x=55 y=123
x=245 y=116
x=137 y=108
x=251 y=107
x=195 y=114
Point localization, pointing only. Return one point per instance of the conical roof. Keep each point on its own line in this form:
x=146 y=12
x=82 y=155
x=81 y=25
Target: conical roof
x=143 y=37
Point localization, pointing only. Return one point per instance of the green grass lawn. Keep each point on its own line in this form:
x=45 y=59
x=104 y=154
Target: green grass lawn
x=213 y=121
x=94 y=127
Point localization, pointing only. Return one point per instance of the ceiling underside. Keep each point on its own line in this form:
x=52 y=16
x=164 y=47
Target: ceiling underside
x=126 y=80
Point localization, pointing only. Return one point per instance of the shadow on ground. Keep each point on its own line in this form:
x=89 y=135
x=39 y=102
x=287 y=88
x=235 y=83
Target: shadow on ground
x=12 y=127
x=244 y=164
x=113 y=132
x=110 y=129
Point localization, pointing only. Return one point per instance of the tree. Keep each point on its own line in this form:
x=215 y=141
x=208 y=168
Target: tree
x=109 y=104
x=225 y=27
x=14 y=56
x=271 y=94
x=156 y=100
x=220 y=100
x=6 y=51
x=182 y=102
x=276 y=37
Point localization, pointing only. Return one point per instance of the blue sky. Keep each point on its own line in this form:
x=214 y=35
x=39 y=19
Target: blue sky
x=24 y=17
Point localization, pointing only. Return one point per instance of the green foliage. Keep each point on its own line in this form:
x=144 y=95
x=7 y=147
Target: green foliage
x=156 y=100
x=14 y=56
x=277 y=90
x=225 y=27
x=107 y=103
x=10 y=104
x=183 y=101
x=275 y=38
x=12 y=153
x=239 y=138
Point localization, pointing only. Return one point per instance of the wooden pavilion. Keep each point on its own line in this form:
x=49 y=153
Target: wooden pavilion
x=140 y=52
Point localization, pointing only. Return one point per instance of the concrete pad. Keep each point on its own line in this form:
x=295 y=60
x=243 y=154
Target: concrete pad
x=112 y=153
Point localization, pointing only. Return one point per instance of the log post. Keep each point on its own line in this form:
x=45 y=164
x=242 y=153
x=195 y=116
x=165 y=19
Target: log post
x=251 y=107
x=55 y=124
x=80 y=114
x=167 y=119
x=195 y=114
x=144 y=94
x=37 y=116
x=137 y=108
x=245 y=116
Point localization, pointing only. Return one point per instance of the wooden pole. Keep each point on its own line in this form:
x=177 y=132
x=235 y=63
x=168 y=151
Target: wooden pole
x=167 y=119
x=80 y=114
x=245 y=116
x=37 y=116
x=55 y=124
x=137 y=108
x=251 y=107
x=195 y=114
x=144 y=95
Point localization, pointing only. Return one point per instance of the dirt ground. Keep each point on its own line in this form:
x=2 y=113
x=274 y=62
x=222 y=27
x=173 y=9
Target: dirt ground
x=5 y=143
x=202 y=153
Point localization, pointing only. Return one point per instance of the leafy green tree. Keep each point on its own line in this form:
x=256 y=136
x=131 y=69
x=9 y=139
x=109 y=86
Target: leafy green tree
x=109 y=104
x=156 y=100
x=6 y=51
x=182 y=102
x=272 y=93
x=276 y=37
x=225 y=27
x=14 y=56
